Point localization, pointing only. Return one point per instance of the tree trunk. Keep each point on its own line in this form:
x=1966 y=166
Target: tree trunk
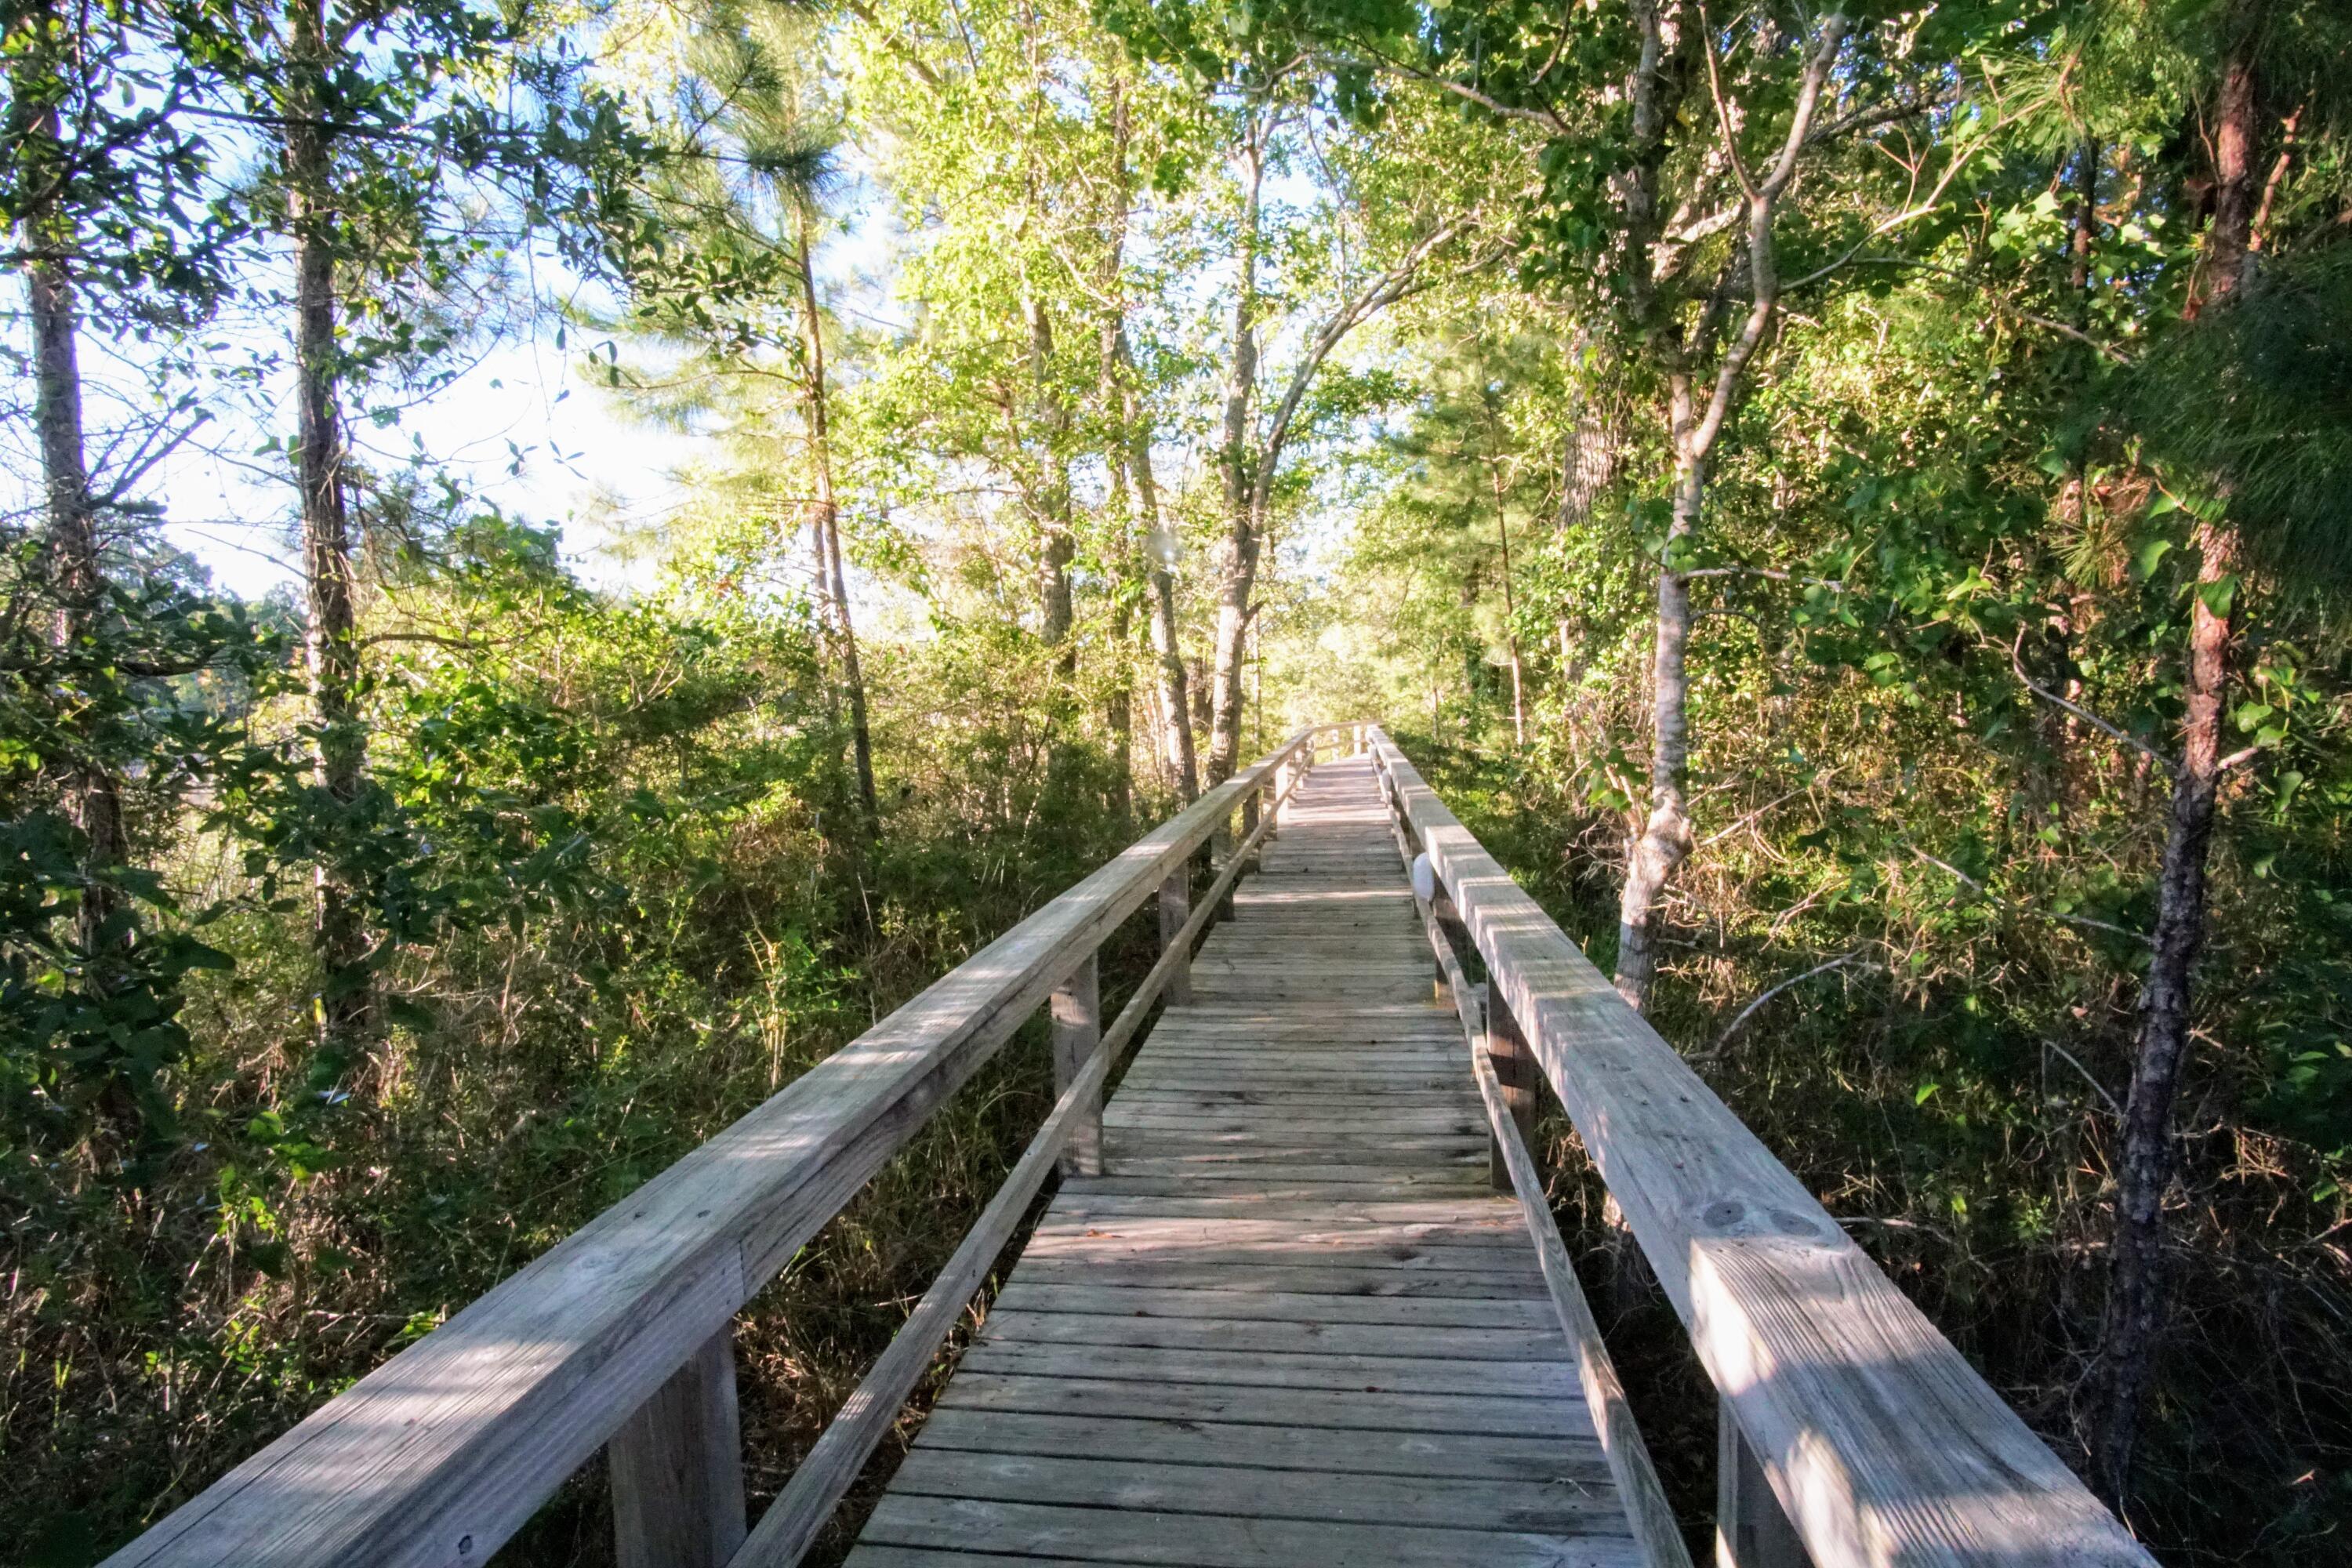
x=833 y=583
x=1665 y=842
x=1591 y=463
x=2136 y=1297
x=1118 y=405
x=1058 y=547
x=1238 y=466
x=1167 y=656
x=344 y=1009
x=1511 y=621
x=1175 y=700
x=77 y=576
x=2084 y=228
x=2136 y=1307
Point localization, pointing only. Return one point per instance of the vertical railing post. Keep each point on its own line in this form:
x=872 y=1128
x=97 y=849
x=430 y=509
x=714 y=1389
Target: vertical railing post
x=1078 y=1029
x=1221 y=850
x=1514 y=1073
x=1249 y=822
x=676 y=1467
x=1175 y=909
x=1750 y=1530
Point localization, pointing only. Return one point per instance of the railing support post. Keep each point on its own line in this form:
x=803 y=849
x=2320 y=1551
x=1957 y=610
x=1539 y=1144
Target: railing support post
x=1249 y=823
x=1078 y=1030
x=1514 y=1073
x=1750 y=1530
x=1221 y=850
x=1175 y=909
x=677 y=1468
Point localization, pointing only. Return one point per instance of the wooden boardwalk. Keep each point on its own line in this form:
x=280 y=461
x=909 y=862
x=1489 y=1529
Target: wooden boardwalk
x=1292 y=1323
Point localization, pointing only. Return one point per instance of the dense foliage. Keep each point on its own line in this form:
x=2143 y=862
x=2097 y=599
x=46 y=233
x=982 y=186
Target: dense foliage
x=1851 y=506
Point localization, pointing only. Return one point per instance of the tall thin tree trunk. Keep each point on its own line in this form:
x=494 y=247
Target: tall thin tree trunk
x=1059 y=547
x=1175 y=699
x=2135 y=1298
x=1590 y=462
x=1237 y=551
x=345 y=1009
x=1118 y=405
x=833 y=583
x=2084 y=227
x=1160 y=543
x=1511 y=620
x=77 y=575
x=1665 y=841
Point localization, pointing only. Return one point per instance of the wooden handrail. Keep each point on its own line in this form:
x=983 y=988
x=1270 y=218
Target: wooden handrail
x=1657 y=1534
x=1881 y=1444
x=442 y=1453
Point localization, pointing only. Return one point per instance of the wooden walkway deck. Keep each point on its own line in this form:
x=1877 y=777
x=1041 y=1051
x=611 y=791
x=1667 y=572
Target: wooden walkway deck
x=1292 y=1322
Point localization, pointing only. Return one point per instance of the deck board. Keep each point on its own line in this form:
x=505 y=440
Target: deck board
x=1291 y=1322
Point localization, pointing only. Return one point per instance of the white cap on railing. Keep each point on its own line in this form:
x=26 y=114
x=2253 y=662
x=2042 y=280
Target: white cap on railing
x=1424 y=879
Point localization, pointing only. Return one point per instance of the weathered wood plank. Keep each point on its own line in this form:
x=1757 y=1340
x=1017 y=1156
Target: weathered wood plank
x=1337 y=1410
x=1354 y=1450
x=1397 y=1185
x=1131 y=1173
x=1076 y=1008
x=1075 y=1228
x=1563 y=1504
x=1251 y=1368
x=677 y=1468
x=1148 y=1301
x=1205 y=1540
x=1086 y=1204
x=1282 y=1337
x=1750 y=1531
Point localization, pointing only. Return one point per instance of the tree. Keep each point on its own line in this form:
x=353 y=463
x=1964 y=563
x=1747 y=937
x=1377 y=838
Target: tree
x=2239 y=321
x=102 y=190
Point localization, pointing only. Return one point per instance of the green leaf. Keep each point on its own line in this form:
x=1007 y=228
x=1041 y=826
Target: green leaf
x=2218 y=595
x=2151 y=555
x=1924 y=1090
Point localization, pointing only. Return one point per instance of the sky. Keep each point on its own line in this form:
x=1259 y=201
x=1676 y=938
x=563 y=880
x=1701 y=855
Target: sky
x=523 y=427
x=529 y=427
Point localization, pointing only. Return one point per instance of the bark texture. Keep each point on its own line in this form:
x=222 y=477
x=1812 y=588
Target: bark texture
x=2147 y=1157
x=76 y=578
x=345 y=1004
x=825 y=526
x=1238 y=469
x=1665 y=841
x=1058 y=545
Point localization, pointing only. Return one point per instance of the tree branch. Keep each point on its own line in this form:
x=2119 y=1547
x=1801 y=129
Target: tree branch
x=1985 y=892
x=1840 y=962
x=2016 y=663
x=1394 y=284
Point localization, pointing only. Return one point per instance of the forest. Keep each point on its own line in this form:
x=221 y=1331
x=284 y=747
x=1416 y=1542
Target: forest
x=1853 y=506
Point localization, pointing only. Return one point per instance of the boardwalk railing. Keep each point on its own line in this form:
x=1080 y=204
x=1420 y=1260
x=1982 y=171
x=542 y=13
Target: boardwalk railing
x=1852 y=1432
x=621 y=1336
